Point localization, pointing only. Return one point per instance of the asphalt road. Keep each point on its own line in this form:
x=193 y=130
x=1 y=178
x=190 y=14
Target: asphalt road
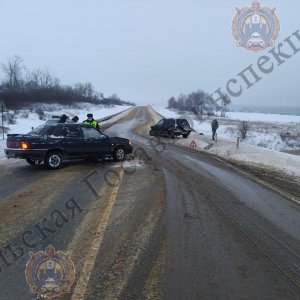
x=170 y=224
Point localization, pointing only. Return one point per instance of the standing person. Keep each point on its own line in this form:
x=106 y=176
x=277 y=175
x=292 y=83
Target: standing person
x=75 y=119
x=63 y=119
x=91 y=121
x=214 y=127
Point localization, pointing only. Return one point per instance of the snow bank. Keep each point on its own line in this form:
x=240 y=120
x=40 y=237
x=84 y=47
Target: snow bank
x=225 y=147
x=26 y=119
x=274 y=118
x=24 y=124
x=271 y=131
x=2 y=146
x=250 y=154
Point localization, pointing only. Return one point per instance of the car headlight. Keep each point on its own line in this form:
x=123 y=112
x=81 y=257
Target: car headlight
x=130 y=142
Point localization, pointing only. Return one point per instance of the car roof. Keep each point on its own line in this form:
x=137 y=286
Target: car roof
x=73 y=124
x=175 y=119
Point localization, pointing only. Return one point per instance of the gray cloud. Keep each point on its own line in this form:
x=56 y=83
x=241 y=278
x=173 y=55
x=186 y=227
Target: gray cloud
x=145 y=51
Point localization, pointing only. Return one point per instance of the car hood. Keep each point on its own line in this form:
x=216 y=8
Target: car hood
x=118 y=140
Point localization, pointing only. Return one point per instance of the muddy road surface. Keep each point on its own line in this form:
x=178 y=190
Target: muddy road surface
x=170 y=223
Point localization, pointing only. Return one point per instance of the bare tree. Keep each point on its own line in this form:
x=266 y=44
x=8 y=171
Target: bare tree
x=13 y=71
x=198 y=99
x=181 y=100
x=172 y=103
x=40 y=79
x=243 y=129
x=41 y=86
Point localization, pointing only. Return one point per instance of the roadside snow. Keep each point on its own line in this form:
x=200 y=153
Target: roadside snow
x=124 y=129
x=2 y=146
x=254 y=155
x=271 y=131
x=226 y=145
x=240 y=116
x=26 y=119
x=274 y=118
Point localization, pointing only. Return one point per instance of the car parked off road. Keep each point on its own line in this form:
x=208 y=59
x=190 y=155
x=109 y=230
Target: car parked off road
x=54 y=143
x=171 y=128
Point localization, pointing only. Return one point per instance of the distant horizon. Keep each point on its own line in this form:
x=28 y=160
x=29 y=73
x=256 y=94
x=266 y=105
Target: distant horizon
x=282 y=110
x=264 y=109
x=145 y=50
x=264 y=105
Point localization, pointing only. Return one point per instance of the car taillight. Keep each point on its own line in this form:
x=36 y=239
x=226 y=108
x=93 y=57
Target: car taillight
x=24 y=145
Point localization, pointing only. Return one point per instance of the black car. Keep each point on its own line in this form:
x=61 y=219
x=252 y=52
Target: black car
x=171 y=128
x=54 y=143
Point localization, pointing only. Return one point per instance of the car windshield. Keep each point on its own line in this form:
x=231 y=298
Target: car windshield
x=40 y=130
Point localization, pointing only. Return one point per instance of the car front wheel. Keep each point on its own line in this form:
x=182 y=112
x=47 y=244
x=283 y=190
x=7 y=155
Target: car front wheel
x=119 y=154
x=54 y=160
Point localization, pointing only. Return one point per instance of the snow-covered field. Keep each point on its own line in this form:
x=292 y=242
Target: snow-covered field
x=271 y=131
x=26 y=119
x=263 y=134
x=274 y=118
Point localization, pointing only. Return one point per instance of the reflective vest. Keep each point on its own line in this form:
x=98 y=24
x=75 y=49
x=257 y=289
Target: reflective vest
x=94 y=123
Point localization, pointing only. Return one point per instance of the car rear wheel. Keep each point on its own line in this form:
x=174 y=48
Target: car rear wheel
x=119 y=154
x=185 y=136
x=54 y=160
x=33 y=162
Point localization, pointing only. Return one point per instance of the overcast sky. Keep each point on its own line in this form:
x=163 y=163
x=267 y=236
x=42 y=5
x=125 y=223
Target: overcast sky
x=145 y=50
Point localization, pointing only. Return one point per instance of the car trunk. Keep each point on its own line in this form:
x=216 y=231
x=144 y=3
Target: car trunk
x=14 y=140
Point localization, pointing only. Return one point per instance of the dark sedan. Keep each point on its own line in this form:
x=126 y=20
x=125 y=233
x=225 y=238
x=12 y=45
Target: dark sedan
x=54 y=143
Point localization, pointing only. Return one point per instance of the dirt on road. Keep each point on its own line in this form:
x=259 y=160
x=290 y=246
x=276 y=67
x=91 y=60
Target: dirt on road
x=171 y=223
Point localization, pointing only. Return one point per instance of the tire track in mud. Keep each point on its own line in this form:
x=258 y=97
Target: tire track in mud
x=278 y=246
x=254 y=231
x=82 y=283
x=27 y=204
x=131 y=273
x=133 y=221
x=36 y=190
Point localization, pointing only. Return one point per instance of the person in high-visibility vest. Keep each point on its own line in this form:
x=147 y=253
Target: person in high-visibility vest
x=91 y=121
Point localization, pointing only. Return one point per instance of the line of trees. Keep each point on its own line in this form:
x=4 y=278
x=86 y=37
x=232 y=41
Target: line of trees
x=21 y=87
x=200 y=103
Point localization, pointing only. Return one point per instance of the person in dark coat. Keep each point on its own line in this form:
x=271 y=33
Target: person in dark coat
x=75 y=119
x=63 y=119
x=214 y=127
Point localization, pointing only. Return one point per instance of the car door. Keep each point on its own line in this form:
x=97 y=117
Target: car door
x=95 y=142
x=159 y=126
x=72 y=142
x=169 y=123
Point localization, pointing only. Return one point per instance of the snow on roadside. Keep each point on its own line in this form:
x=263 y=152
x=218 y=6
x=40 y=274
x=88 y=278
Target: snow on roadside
x=271 y=131
x=287 y=163
x=124 y=129
x=24 y=125
x=225 y=147
x=252 y=117
x=2 y=146
x=27 y=119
